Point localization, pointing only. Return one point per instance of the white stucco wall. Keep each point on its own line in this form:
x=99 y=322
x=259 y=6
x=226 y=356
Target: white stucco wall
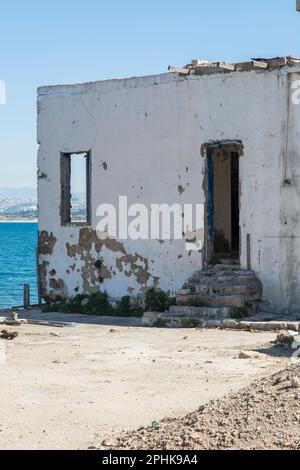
x=149 y=132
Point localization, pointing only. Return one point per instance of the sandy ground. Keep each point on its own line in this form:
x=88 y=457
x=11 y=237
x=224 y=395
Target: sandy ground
x=70 y=388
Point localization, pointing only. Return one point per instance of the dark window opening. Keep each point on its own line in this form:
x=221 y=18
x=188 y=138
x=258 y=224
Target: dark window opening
x=75 y=188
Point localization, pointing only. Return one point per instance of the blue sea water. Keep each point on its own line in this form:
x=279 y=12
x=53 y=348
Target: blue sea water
x=18 y=242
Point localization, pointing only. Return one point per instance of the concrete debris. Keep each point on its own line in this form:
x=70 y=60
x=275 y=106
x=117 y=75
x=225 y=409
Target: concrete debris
x=8 y=335
x=194 y=317
x=248 y=355
x=295 y=382
x=263 y=416
x=179 y=70
x=12 y=321
x=285 y=339
x=205 y=67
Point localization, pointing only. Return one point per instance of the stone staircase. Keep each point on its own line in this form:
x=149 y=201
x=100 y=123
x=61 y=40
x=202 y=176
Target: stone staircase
x=215 y=294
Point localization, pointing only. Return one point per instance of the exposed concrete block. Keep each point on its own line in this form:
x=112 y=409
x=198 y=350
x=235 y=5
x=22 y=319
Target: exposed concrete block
x=234 y=301
x=201 y=312
x=191 y=318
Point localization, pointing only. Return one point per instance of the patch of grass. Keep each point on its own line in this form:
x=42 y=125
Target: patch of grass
x=125 y=306
x=240 y=313
x=214 y=260
x=124 y=309
x=190 y=323
x=156 y=301
x=96 y=304
x=159 y=323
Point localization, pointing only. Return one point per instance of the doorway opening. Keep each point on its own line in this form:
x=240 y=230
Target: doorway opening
x=223 y=201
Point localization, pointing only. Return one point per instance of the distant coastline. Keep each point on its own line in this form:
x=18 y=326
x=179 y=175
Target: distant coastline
x=18 y=221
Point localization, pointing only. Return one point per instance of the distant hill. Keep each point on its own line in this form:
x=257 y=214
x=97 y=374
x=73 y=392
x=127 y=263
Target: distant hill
x=21 y=203
x=18 y=203
x=19 y=193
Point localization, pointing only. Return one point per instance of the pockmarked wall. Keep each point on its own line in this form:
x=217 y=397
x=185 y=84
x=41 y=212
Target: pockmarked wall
x=145 y=136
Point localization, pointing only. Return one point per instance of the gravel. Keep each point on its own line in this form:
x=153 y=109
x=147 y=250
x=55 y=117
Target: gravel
x=265 y=415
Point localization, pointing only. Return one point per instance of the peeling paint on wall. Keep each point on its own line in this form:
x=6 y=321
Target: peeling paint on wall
x=46 y=243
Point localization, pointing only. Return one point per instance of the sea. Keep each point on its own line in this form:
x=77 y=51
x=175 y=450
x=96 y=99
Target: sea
x=18 y=243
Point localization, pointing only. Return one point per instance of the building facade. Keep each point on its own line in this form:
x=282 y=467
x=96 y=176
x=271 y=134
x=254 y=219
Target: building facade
x=225 y=137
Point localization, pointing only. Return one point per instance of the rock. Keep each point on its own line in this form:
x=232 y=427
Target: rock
x=8 y=335
x=248 y=355
x=286 y=339
x=15 y=316
x=184 y=292
x=295 y=382
x=106 y=443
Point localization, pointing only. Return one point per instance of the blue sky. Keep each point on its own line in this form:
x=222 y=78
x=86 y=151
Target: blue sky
x=70 y=41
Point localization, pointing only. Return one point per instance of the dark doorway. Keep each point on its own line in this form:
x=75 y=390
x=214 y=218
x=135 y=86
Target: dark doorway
x=223 y=202
x=235 y=203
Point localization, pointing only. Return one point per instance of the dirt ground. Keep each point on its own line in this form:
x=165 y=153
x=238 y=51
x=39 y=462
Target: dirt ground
x=263 y=416
x=71 y=388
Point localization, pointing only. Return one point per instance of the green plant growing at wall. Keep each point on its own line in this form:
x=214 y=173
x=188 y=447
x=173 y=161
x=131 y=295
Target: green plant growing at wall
x=125 y=306
x=95 y=304
x=156 y=300
x=159 y=323
x=241 y=313
x=190 y=323
x=196 y=303
x=214 y=261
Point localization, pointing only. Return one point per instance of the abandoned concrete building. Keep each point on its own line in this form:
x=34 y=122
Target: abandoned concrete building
x=226 y=136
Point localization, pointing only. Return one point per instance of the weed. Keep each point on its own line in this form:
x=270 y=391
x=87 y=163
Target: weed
x=159 y=323
x=156 y=300
x=190 y=323
x=241 y=313
x=214 y=260
x=95 y=304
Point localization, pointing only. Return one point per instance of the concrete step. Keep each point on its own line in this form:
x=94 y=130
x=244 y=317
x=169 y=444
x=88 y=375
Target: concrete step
x=175 y=320
x=246 y=288
x=227 y=270
x=201 y=312
x=235 y=301
x=239 y=280
x=199 y=289
x=230 y=261
x=219 y=291
x=227 y=267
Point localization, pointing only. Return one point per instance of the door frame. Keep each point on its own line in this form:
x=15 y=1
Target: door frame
x=207 y=152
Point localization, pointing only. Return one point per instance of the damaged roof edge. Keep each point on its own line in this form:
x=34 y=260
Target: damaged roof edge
x=85 y=86
x=197 y=67
x=204 y=67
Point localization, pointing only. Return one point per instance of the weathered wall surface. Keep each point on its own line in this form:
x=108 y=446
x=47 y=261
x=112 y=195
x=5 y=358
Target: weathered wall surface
x=145 y=136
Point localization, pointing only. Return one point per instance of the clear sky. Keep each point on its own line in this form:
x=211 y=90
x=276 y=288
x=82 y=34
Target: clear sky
x=68 y=41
